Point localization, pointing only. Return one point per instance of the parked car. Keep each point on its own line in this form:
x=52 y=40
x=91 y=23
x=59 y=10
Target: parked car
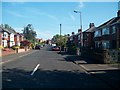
x=55 y=48
x=41 y=46
x=38 y=47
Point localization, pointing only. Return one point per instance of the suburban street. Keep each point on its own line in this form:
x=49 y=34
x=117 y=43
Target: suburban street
x=45 y=69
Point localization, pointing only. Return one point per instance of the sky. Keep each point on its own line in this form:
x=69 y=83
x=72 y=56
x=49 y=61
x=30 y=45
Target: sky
x=46 y=17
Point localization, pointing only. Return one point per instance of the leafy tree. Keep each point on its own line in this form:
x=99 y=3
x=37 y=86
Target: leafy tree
x=60 y=40
x=29 y=33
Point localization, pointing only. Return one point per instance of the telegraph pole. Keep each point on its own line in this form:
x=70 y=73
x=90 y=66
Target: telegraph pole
x=60 y=38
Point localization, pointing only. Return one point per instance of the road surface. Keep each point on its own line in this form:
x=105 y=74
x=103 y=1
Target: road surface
x=45 y=69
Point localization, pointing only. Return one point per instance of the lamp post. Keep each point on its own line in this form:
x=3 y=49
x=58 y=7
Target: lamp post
x=79 y=42
x=80 y=18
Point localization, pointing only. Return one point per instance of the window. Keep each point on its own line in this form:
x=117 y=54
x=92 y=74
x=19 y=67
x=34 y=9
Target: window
x=78 y=37
x=113 y=30
x=97 y=44
x=5 y=35
x=105 y=44
x=97 y=33
x=105 y=31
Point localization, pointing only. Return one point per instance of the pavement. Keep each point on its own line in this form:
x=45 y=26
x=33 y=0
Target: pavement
x=108 y=73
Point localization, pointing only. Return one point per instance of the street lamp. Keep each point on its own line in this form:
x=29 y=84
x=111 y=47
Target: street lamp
x=80 y=42
x=80 y=18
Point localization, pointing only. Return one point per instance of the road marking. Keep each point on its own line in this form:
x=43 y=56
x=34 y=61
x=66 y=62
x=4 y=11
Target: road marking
x=16 y=58
x=35 y=69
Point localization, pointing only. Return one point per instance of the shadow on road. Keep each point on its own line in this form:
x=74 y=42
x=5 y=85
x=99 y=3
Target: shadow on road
x=73 y=58
x=16 y=78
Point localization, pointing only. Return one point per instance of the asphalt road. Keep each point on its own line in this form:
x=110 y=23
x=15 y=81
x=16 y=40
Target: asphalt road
x=45 y=69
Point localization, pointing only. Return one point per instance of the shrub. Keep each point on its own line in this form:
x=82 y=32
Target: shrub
x=1 y=47
x=15 y=47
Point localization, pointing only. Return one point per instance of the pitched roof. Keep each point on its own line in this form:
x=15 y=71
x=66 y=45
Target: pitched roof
x=111 y=21
x=5 y=30
x=12 y=31
x=92 y=29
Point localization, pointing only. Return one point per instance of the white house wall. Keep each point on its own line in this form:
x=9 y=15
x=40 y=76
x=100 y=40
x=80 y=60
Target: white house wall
x=4 y=43
x=12 y=43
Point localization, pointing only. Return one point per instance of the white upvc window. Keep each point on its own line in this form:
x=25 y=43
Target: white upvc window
x=113 y=30
x=97 y=44
x=106 y=44
x=11 y=37
x=78 y=37
x=97 y=33
x=5 y=35
x=105 y=31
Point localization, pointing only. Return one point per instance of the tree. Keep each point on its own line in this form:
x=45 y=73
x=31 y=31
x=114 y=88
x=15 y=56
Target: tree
x=29 y=33
x=60 y=40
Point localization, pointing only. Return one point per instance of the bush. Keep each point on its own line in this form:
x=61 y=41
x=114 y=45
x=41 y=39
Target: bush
x=1 y=47
x=15 y=47
x=22 y=47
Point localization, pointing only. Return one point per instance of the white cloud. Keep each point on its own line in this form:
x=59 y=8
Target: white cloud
x=81 y=5
x=44 y=34
x=72 y=17
x=52 y=17
x=37 y=11
x=16 y=14
x=18 y=30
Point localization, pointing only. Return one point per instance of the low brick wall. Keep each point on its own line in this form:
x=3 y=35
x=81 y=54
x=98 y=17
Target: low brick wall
x=96 y=55
x=10 y=51
x=7 y=52
x=22 y=50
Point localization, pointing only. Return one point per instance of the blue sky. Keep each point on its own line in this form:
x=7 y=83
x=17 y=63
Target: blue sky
x=46 y=16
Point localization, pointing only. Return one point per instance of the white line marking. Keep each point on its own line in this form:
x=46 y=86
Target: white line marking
x=35 y=69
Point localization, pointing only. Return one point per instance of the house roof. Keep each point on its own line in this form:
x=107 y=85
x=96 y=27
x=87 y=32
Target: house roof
x=5 y=30
x=92 y=29
x=12 y=31
x=111 y=21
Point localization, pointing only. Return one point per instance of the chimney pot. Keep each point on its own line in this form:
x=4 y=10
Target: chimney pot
x=91 y=25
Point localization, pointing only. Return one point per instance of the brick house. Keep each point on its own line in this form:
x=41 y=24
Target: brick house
x=107 y=35
x=88 y=36
x=11 y=41
x=17 y=39
x=21 y=37
x=4 y=37
x=78 y=38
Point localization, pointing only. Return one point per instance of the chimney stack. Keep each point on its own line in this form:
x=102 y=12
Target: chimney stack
x=73 y=33
x=68 y=35
x=79 y=30
x=91 y=25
